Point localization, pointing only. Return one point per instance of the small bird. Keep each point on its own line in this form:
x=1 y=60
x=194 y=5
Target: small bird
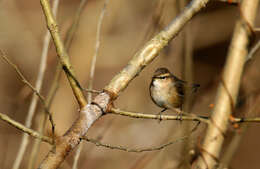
x=167 y=91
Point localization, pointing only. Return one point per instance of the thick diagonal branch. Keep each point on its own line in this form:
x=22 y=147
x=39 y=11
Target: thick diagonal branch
x=148 y=53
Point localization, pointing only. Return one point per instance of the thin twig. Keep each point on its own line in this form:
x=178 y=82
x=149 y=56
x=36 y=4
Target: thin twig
x=43 y=119
x=187 y=69
x=70 y=35
x=253 y=51
x=77 y=155
x=92 y=73
x=38 y=86
x=67 y=43
x=123 y=148
x=236 y=139
x=25 y=129
x=99 y=137
x=43 y=115
x=42 y=100
x=187 y=116
x=156 y=20
x=94 y=58
x=26 y=82
x=92 y=91
x=62 y=53
x=55 y=84
x=246 y=120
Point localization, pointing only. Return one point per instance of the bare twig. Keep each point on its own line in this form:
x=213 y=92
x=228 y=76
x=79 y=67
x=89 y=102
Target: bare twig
x=92 y=91
x=102 y=102
x=94 y=58
x=77 y=155
x=98 y=143
x=38 y=86
x=62 y=53
x=26 y=82
x=43 y=119
x=253 y=50
x=187 y=116
x=228 y=89
x=156 y=19
x=75 y=24
x=140 y=150
x=187 y=69
x=92 y=72
x=236 y=139
x=99 y=137
x=247 y=120
x=49 y=98
x=55 y=84
x=25 y=129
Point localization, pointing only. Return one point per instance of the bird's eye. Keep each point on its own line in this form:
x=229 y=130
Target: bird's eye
x=163 y=77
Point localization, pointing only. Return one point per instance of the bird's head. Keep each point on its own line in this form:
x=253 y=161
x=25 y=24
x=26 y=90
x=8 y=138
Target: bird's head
x=162 y=73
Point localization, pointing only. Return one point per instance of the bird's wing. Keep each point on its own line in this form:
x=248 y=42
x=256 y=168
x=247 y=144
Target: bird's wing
x=181 y=84
x=180 y=87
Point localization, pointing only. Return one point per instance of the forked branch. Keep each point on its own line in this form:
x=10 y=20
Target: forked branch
x=103 y=101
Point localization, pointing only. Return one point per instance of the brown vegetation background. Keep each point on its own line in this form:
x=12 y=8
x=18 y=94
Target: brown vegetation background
x=127 y=26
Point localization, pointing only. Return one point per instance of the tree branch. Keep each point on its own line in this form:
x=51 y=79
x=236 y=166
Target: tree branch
x=26 y=82
x=122 y=148
x=253 y=50
x=186 y=117
x=62 y=53
x=34 y=99
x=103 y=101
x=92 y=73
x=228 y=88
x=23 y=128
x=151 y=49
x=138 y=150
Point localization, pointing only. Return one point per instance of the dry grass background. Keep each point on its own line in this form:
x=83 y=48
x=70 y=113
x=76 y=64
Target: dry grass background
x=125 y=25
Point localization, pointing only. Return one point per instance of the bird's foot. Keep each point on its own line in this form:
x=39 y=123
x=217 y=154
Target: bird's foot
x=179 y=116
x=160 y=115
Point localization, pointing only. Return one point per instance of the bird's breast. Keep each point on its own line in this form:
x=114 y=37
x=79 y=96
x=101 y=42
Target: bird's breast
x=164 y=94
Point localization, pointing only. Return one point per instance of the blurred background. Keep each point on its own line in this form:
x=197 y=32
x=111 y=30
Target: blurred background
x=127 y=26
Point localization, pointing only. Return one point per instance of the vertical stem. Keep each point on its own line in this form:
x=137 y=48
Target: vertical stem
x=187 y=69
x=92 y=73
x=228 y=89
x=62 y=53
x=55 y=83
x=33 y=104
